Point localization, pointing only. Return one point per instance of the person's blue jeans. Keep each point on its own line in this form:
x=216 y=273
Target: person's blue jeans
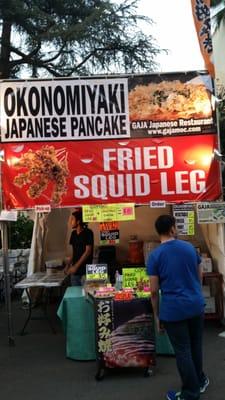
x=186 y=338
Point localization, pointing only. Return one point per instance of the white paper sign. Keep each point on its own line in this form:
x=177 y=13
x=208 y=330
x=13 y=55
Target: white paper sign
x=6 y=215
x=157 y=204
x=43 y=209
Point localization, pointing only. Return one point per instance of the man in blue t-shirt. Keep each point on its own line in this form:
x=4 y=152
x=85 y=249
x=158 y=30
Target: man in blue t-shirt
x=174 y=268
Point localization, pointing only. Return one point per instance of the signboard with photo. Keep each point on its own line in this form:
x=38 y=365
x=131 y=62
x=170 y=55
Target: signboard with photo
x=137 y=172
x=173 y=104
x=147 y=116
x=134 y=106
x=125 y=335
x=211 y=213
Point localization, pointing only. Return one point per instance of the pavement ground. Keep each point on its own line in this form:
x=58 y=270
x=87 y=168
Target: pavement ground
x=36 y=367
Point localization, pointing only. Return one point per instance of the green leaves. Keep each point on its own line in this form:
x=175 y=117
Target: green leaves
x=67 y=37
x=20 y=233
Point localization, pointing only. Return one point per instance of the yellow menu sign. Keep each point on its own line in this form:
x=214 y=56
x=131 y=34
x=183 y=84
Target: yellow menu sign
x=109 y=212
x=134 y=277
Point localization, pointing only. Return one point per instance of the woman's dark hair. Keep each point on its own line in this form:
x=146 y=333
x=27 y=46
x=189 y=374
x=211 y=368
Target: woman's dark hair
x=164 y=223
x=79 y=217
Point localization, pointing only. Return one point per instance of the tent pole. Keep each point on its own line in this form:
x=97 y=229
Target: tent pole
x=4 y=236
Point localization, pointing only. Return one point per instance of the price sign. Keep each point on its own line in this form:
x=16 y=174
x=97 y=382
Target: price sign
x=185 y=219
x=109 y=233
x=109 y=212
x=134 y=277
x=96 y=272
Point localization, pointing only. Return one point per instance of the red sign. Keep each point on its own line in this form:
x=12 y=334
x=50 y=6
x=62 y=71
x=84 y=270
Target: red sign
x=172 y=169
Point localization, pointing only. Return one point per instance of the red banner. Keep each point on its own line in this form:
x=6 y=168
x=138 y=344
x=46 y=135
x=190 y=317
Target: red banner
x=173 y=169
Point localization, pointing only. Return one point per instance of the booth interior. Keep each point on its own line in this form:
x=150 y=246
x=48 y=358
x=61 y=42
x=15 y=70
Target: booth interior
x=50 y=246
x=136 y=239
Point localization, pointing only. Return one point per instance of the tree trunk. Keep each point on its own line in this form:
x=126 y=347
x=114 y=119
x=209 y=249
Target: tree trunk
x=5 y=50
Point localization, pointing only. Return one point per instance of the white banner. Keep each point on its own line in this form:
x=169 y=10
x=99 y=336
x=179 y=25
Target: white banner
x=58 y=110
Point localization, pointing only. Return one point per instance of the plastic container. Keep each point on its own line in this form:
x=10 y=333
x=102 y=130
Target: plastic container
x=118 y=281
x=135 y=252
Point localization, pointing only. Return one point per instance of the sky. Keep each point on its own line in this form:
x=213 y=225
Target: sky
x=174 y=30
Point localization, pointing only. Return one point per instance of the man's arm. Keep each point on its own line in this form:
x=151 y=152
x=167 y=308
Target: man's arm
x=74 y=268
x=154 y=284
x=200 y=273
x=200 y=270
x=67 y=263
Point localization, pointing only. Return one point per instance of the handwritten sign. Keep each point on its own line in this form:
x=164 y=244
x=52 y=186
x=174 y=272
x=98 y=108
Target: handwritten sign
x=104 y=326
x=96 y=272
x=109 y=233
x=109 y=212
x=135 y=277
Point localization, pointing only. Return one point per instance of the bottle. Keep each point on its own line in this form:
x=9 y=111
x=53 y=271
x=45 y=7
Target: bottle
x=117 y=281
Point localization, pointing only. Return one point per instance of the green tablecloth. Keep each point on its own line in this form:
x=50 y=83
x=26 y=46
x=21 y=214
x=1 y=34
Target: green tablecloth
x=77 y=316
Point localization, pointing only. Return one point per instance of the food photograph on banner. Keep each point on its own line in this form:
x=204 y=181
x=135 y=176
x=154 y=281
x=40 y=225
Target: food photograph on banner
x=118 y=151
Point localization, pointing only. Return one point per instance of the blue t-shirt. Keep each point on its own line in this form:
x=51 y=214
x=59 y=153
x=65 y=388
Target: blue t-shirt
x=176 y=263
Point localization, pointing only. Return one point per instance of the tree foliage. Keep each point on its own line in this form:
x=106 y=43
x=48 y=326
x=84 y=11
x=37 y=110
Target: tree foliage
x=67 y=37
x=20 y=232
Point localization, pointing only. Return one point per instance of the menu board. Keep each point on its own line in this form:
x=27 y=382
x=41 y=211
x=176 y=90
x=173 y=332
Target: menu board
x=185 y=219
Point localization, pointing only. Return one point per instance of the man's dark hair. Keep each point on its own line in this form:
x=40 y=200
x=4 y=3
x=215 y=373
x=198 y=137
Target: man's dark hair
x=78 y=215
x=164 y=223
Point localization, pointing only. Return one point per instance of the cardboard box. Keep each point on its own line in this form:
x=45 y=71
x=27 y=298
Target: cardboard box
x=206 y=264
x=210 y=305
